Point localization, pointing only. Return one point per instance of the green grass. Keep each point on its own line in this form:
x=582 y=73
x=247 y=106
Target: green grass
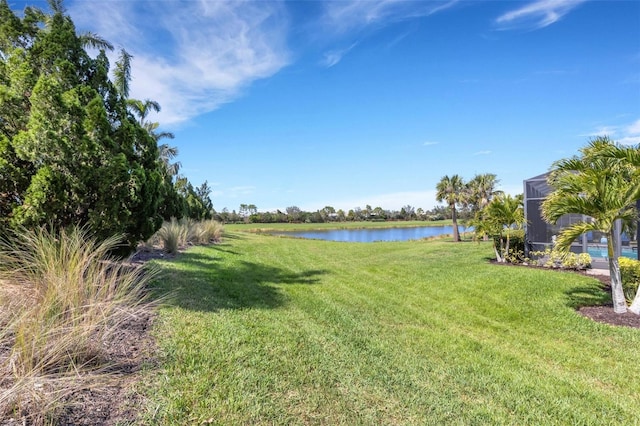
x=267 y=330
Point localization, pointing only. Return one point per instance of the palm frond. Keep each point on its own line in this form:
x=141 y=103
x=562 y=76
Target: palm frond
x=122 y=73
x=94 y=41
x=573 y=232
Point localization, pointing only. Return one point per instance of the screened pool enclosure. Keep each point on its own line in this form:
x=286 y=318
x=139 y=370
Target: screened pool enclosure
x=540 y=234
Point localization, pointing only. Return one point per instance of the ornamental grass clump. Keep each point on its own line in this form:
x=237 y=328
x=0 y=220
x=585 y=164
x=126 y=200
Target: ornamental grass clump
x=173 y=235
x=206 y=232
x=62 y=296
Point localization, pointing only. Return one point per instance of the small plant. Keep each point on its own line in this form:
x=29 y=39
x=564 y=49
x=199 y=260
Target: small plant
x=630 y=275
x=516 y=257
x=557 y=259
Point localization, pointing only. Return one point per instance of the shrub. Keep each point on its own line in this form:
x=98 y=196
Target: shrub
x=630 y=275
x=561 y=260
x=61 y=297
x=515 y=253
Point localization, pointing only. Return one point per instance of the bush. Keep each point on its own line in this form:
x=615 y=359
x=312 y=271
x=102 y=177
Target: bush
x=561 y=260
x=516 y=246
x=61 y=297
x=630 y=275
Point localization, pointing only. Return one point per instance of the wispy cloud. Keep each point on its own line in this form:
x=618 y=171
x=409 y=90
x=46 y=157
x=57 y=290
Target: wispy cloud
x=211 y=51
x=343 y=16
x=429 y=143
x=486 y=152
x=537 y=14
x=350 y=18
x=332 y=57
x=631 y=135
x=626 y=134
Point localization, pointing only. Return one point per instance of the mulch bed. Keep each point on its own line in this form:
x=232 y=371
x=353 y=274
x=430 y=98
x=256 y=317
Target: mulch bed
x=605 y=313
x=129 y=350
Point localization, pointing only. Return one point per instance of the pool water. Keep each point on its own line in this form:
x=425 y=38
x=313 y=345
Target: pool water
x=597 y=252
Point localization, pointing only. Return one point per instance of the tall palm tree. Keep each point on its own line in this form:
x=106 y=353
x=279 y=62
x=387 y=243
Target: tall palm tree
x=450 y=190
x=599 y=184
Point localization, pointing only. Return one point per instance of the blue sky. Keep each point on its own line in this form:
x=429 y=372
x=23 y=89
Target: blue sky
x=349 y=103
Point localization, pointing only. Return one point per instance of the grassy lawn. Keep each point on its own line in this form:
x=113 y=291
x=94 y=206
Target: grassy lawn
x=268 y=330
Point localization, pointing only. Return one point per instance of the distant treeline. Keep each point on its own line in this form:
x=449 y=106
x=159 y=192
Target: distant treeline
x=248 y=213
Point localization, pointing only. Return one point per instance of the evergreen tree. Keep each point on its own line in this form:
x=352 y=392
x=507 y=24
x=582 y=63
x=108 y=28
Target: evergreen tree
x=70 y=152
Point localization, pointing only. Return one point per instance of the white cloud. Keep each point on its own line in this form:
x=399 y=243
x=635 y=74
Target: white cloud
x=537 y=14
x=332 y=57
x=350 y=18
x=631 y=134
x=192 y=56
x=353 y=15
x=602 y=131
x=486 y=152
x=429 y=143
x=628 y=134
x=634 y=128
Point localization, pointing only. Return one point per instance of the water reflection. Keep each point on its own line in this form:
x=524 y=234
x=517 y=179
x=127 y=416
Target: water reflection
x=371 y=235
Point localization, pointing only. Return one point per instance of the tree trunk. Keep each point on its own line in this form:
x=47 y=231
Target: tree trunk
x=635 y=306
x=454 y=218
x=617 y=294
x=497 y=252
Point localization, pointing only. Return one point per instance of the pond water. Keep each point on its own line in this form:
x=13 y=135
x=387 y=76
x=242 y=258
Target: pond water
x=371 y=235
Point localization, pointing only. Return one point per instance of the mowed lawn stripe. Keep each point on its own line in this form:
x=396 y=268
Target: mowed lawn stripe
x=268 y=330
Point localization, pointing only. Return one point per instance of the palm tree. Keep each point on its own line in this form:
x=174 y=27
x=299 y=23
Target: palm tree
x=600 y=184
x=141 y=109
x=501 y=216
x=450 y=190
x=478 y=193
